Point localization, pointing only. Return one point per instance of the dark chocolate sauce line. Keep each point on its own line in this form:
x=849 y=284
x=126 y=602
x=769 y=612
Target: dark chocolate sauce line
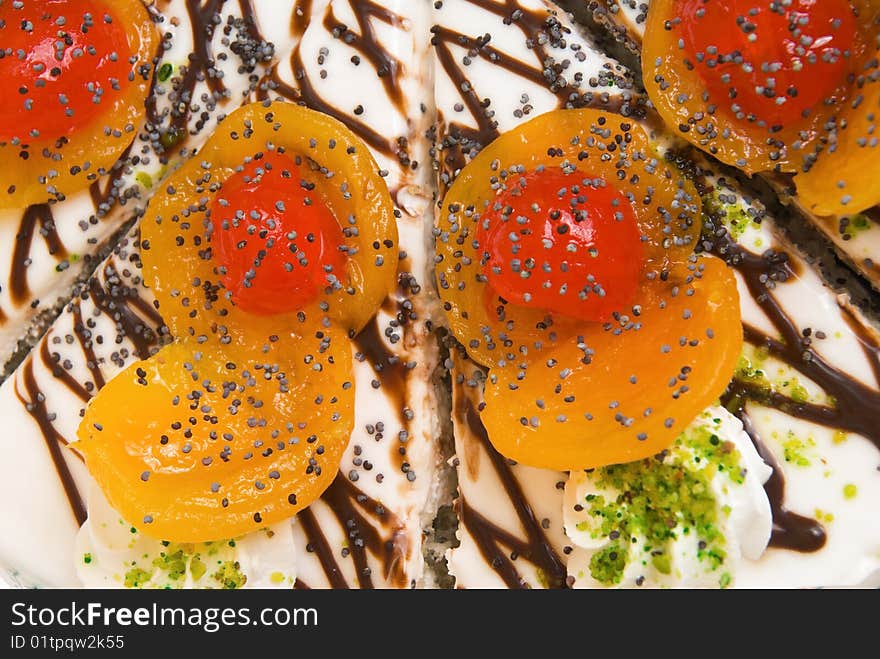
x=317 y=543
x=38 y=214
x=488 y=536
x=202 y=15
x=388 y=367
x=353 y=510
x=100 y=196
x=387 y=66
x=856 y=408
x=41 y=214
x=531 y=24
x=302 y=90
x=116 y=305
x=790 y=530
x=249 y=14
x=603 y=11
x=870 y=340
x=52 y=362
x=119 y=304
x=84 y=337
x=306 y=94
x=203 y=26
x=34 y=402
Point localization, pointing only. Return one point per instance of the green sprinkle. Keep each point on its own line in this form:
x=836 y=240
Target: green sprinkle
x=735 y=217
x=197 y=569
x=136 y=578
x=856 y=225
x=87 y=558
x=170 y=137
x=230 y=576
x=165 y=72
x=144 y=179
x=724 y=581
x=798 y=393
x=794 y=450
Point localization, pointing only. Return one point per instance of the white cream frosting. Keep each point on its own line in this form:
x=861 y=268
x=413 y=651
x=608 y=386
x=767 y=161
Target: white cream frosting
x=109 y=551
x=740 y=506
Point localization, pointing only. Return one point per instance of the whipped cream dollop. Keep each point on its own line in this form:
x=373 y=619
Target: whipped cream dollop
x=686 y=518
x=111 y=553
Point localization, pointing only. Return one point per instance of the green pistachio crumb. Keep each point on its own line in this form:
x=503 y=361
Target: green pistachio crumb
x=658 y=500
x=165 y=72
x=144 y=179
x=196 y=568
x=794 y=450
x=607 y=565
x=137 y=578
x=230 y=576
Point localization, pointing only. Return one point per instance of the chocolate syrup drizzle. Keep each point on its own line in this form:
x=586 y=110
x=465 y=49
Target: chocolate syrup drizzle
x=365 y=41
x=499 y=547
x=121 y=304
x=608 y=14
x=856 y=406
x=199 y=68
x=358 y=515
x=38 y=218
x=38 y=214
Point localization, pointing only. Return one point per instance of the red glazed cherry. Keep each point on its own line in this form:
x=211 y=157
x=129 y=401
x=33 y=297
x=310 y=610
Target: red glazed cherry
x=562 y=243
x=276 y=243
x=62 y=61
x=768 y=61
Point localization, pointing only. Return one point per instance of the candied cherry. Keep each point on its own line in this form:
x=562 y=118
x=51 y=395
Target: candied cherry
x=277 y=243
x=567 y=244
x=768 y=62
x=74 y=75
x=67 y=58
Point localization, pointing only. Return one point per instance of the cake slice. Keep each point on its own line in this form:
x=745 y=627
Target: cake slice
x=806 y=384
x=498 y=64
x=367 y=64
x=366 y=531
